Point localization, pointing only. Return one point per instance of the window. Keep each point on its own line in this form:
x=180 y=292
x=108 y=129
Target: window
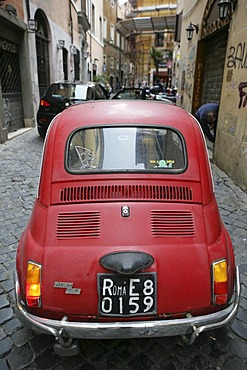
x=104 y=28
x=99 y=92
x=93 y=19
x=42 y=51
x=65 y=64
x=121 y=149
x=118 y=39
x=159 y=39
x=67 y=90
x=112 y=35
x=77 y=65
x=112 y=63
x=100 y=29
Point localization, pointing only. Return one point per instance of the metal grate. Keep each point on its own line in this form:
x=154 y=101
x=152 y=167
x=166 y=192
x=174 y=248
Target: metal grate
x=9 y=67
x=172 y=223
x=72 y=225
x=130 y=192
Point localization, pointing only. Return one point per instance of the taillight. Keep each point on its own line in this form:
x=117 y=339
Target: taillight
x=44 y=103
x=33 y=284
x=220 y=286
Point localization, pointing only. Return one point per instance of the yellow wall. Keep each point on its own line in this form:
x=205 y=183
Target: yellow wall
x=230 y=149
x=231 y=144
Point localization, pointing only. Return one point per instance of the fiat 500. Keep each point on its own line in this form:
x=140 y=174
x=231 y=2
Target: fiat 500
x=125 y=239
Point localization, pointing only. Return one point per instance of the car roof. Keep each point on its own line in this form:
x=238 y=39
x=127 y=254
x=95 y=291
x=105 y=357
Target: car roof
x=124 y=112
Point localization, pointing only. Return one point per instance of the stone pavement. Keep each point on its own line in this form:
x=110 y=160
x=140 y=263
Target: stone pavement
x=224 y=349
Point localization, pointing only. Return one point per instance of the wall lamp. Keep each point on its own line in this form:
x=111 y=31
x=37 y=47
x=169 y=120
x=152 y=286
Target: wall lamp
x=190 y=29
x=225 y=6
x=32 y=25
x=60 y=44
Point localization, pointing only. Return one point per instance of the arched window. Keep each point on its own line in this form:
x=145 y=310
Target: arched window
x=65 y=64
x=42 y=40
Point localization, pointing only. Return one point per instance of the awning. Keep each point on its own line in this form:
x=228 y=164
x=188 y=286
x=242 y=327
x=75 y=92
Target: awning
x=141 y=25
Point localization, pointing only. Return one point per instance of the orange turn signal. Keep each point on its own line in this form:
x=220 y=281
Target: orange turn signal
x=33 y=284
x=220 y=285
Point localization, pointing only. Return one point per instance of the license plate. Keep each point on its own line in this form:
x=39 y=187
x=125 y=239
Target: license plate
x=121 y=295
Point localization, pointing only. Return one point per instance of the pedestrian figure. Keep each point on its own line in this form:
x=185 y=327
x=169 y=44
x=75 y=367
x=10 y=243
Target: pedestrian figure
x=207 y=116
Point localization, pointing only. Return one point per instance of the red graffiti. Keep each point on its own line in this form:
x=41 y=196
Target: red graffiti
x=242 y=94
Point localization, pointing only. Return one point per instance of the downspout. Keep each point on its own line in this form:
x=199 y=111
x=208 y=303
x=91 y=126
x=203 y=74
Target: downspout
x=28 y=9
x=72 y=57
x=71 y=23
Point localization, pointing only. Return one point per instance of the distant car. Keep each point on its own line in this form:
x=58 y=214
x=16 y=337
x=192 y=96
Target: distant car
x=125 y=239
x=131 y=93
x=60 y=95
x=168 y=95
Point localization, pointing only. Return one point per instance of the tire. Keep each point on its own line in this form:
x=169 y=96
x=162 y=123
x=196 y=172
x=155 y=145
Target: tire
x=41 y=131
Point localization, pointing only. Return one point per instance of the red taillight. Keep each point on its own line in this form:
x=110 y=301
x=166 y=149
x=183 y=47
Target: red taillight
x=44 y=103
x=220 y=285
x=33 y=284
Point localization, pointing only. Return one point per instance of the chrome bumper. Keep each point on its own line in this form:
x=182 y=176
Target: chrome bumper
x=191 y=326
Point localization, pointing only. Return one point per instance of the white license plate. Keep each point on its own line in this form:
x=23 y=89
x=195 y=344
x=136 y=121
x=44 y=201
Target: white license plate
x=121 y=295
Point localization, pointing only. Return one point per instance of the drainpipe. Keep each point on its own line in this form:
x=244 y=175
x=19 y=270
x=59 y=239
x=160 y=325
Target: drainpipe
x=28 y=9
x=71 y=23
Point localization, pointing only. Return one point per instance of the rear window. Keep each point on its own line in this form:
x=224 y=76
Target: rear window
x=121 y=149
x=69 y=91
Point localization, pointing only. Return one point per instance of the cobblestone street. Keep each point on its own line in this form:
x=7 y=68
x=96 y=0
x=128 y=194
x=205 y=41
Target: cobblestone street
x=224 y=349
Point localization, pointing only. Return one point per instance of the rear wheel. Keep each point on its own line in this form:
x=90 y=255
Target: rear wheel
x=41 y=131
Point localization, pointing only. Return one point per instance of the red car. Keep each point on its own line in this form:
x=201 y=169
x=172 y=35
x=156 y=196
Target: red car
x=125 y=237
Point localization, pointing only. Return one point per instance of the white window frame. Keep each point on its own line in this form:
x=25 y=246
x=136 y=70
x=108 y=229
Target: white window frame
x=112 y=33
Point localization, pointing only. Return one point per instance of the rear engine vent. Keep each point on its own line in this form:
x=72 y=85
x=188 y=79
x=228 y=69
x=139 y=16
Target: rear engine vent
x=172 y=223
x=78 y=225
x=124 y=192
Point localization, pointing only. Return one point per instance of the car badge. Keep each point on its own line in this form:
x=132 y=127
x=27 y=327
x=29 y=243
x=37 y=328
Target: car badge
x=125 y=211
x=68 y=286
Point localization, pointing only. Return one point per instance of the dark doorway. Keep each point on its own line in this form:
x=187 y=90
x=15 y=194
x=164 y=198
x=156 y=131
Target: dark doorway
x=42 y=40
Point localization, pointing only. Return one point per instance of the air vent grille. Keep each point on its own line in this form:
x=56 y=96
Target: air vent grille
x=124 y=192
x=172 y=223
x=78 y=225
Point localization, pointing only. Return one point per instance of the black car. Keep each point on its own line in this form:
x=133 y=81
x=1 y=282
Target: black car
x=60 y=95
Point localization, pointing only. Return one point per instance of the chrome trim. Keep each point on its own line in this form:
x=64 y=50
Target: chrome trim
x=192 y=326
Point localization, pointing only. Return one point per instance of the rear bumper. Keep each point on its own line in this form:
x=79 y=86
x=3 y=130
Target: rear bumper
x=44 y=120
x=191 y=326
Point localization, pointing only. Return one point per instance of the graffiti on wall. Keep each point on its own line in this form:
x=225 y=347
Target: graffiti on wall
x=237 y=57
x=188 y=71
x=242 y=94
x=6 y=112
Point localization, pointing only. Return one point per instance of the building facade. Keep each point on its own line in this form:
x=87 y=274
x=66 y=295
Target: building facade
x=148 y=24
x=15 y=77
x=211 y=67
x=42 y=42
